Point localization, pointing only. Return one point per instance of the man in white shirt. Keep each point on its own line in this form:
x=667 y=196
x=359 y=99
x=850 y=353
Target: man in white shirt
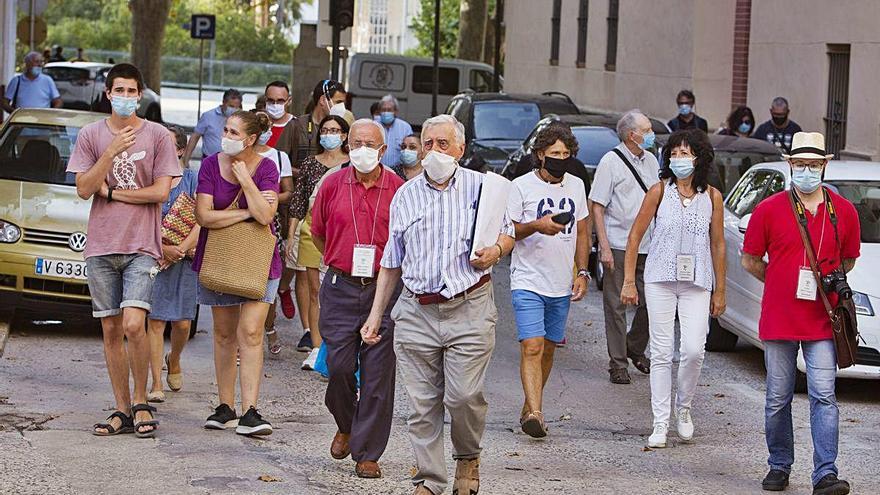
x=548 y=208
x=622 y=178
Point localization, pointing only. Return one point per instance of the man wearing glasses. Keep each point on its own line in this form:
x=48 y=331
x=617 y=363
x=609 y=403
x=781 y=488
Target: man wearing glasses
x=445 y=317
x=794 y=317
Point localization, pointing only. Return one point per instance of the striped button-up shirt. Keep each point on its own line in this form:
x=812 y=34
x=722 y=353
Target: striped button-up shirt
x=430 y=234
x=394 y=135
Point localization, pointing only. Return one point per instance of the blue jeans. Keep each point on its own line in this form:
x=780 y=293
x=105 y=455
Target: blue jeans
x=780 y=358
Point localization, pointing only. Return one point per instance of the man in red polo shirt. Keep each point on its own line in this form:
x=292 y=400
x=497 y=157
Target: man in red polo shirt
x=350 y=227
x=792 y=314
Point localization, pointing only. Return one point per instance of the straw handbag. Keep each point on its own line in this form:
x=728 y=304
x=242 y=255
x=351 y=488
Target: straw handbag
x=179 y=221
x=237 y=258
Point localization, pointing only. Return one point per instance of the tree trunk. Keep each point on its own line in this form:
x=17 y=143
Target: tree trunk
x=148 y=18
x=472 y=29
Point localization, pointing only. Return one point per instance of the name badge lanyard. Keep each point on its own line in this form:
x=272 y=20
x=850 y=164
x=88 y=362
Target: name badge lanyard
x=363 y=255
x=807 y=283
x=685 y=261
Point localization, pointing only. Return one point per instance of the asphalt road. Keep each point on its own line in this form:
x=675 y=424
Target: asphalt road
x=54 y=387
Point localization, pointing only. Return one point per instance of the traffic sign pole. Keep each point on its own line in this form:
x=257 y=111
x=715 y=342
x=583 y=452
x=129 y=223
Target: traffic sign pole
x=334 y=63
x=201 y=61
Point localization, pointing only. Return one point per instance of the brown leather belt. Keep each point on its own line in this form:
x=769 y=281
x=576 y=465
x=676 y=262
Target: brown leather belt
x=437 y=298
x=362 y=281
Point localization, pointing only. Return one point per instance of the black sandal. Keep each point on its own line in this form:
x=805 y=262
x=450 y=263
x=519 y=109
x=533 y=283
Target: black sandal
x=138 y=425
x=642 y=364
x=126 y=426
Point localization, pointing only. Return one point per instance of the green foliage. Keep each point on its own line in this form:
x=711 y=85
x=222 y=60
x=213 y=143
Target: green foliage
x=423 y=28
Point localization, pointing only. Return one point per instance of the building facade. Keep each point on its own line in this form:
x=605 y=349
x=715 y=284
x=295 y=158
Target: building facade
x=621 y=54
x=383 y=26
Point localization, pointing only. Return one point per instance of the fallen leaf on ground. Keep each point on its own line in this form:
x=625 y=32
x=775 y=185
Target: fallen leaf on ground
x=513 y=454
x=719 y=396
x=647 y=449
x=268 y=479
x=565 y=417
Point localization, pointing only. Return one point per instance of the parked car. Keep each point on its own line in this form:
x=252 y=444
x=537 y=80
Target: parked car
x=858 y=182
x=82 y=87
x=497 y=123
x=411 y=81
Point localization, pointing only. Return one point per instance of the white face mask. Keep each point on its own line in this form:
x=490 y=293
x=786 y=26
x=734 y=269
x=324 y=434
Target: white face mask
x=232 y=147
x=275 y=110
x=338 y=109
x=439 y=166
x=364 y=159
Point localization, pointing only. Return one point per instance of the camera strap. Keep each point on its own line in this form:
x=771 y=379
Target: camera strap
x=799 y=211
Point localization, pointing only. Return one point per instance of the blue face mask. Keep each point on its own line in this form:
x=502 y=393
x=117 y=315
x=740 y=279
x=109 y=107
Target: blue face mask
x=806 y=180
x=647 y=140
x=265 y=137
x=409 y=157
x=331 y=141
x=386 y=117
x=745 y=127
x=36 y=71
x=123 y=106
x=681 y=167
x=229 y=111
x=685 y=109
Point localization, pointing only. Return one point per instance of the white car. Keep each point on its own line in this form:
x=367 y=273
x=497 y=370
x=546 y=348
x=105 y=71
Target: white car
x=858 y=182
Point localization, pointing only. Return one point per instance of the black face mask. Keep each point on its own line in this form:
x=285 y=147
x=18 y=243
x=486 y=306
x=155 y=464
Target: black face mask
x=779 y=120
x=556 y=167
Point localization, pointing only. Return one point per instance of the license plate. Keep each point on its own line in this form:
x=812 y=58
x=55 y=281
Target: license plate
x=61 y=268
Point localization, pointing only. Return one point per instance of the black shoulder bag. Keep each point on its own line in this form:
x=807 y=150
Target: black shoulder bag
x=631 y=169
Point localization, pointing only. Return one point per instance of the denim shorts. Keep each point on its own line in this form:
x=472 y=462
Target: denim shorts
x=540 y=316
x=211 y=298
x=119 y=281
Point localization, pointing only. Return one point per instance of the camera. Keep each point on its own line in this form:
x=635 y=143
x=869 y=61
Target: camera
x=836 y=282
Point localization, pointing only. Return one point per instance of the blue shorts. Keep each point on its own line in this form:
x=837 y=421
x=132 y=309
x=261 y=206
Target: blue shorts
x=540 y=316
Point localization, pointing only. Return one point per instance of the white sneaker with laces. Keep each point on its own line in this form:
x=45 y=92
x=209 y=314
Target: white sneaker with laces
x=685 y=424
x=309 y=363
x=657 y=440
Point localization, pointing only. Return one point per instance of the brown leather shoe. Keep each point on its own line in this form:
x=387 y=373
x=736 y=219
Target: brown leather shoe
x=368 y=469
x=339 y=449
x=467 y=477
x=619 y=376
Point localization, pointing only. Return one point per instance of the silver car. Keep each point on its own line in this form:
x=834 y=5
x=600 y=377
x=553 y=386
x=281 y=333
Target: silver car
x=858 y=182
x=82 y=87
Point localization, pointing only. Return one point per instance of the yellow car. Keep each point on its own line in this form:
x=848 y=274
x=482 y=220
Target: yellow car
x=42 y=220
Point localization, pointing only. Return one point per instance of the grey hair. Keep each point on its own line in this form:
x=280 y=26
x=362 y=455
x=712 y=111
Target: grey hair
x=779 y=102
x=628 y=123
x=446 y=119
x=390 y=99
x=360 y=122
x=29 y=58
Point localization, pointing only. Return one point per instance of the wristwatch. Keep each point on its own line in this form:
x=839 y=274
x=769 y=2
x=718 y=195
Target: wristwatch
x=583 y=272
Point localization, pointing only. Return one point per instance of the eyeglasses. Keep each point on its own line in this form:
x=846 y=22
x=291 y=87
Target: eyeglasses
x=443 y=144
x=801 y=166
x=369 y=144
x=325 y=131
x=270 y=101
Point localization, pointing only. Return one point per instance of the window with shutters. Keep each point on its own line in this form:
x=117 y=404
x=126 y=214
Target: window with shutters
x=611 y=53
x=582 y=33
x=554 y=32
x=838 y=97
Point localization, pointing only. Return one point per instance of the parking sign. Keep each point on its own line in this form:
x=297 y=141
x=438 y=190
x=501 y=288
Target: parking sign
x=202 y=27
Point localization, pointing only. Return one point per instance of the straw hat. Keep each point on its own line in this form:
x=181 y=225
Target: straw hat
x=808 y=145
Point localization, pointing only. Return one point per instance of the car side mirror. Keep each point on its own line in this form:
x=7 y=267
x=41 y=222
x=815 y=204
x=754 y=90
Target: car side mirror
x=744 y=223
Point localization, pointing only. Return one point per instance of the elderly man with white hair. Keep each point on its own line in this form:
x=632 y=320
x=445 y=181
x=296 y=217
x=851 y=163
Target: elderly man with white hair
x=31 y=89
x=350 y=227
x=396 y=130
x=622 y=178
x=445 y=317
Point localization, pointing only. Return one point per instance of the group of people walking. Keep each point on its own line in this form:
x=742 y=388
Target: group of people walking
x=373 y=225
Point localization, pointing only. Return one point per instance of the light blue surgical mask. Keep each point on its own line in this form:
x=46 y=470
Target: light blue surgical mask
x=36 y=71
x=682 y=167
x=647 y=140
x=331 y=141
x=409 y=157
x=386 y=117
x=229 y=111
x=745 y=127
x=265 y=137
x=124 y=106
x=806 y=180
x=685 y=109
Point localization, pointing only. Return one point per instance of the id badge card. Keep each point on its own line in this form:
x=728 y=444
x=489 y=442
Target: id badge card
x=684 y=268
x=362 y=260
x=806 y=287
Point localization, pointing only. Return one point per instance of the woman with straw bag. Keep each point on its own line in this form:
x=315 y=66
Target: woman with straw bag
x=238 y=264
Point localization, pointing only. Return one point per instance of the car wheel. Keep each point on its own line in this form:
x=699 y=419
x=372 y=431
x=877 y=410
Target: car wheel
x=800 y=382
x=154 y=113
x=720 y=339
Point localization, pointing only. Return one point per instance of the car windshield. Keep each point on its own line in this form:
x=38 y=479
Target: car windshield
x=37 y=153
x=732 y=165
x=865 y=196
x=505 y=120
x=593 y=143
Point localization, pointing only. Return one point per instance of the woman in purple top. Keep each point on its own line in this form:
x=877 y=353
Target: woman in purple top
x=238 y=322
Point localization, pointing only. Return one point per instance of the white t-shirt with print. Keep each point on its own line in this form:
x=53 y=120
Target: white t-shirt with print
x=541 y=263
x=284 y=169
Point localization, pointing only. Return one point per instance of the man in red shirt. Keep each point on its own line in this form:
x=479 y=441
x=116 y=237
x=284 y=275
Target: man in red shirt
x=350 y=227
x=793 y=315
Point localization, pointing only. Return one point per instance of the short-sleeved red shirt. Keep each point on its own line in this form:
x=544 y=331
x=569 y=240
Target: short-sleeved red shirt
x=773 y=230
x=332 y=217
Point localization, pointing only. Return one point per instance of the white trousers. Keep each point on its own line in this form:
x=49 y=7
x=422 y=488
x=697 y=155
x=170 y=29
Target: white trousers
x=692 y=304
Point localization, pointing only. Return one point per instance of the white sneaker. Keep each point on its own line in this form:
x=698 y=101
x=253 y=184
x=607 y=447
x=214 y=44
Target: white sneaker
x=657 y=440
x=309 y=363
x=685 y=424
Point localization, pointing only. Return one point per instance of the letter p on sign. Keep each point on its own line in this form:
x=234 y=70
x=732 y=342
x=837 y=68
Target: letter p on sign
x=202 y=27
